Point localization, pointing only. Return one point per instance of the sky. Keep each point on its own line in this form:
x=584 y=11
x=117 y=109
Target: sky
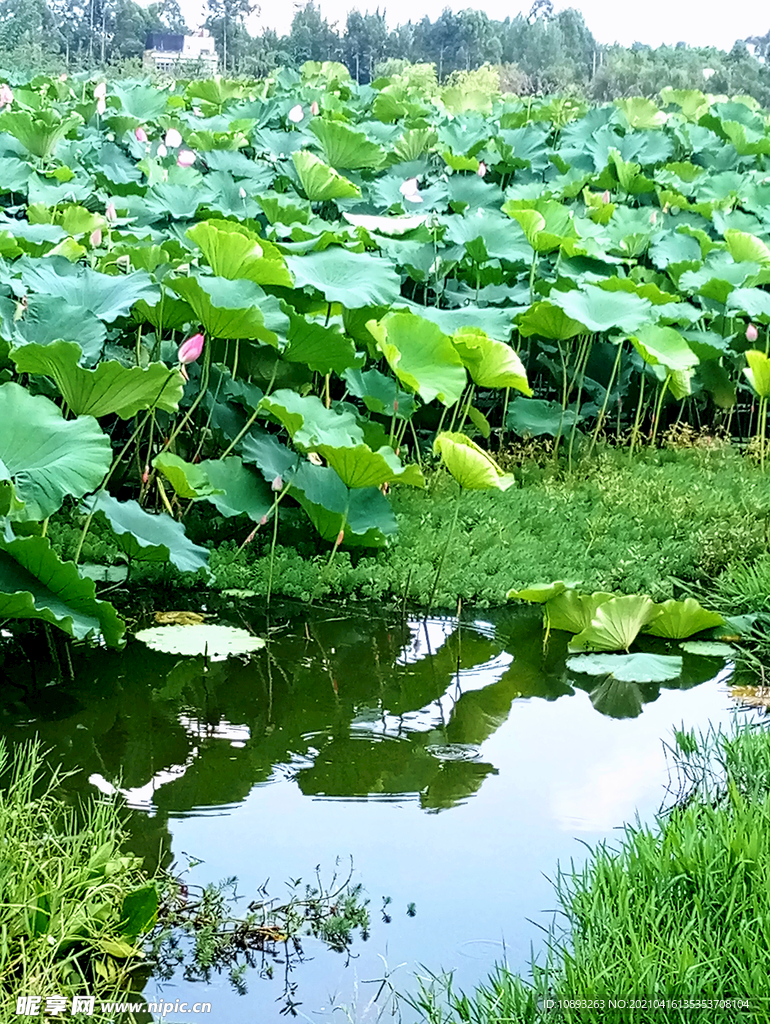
x=653 y=21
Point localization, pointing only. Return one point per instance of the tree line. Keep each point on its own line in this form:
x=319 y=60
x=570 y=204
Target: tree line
x=534 y=53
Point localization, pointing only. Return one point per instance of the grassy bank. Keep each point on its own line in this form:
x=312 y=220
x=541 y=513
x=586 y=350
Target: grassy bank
x=692 y=515
x=678 y=911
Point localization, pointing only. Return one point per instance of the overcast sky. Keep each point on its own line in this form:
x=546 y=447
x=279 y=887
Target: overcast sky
x=649 y=21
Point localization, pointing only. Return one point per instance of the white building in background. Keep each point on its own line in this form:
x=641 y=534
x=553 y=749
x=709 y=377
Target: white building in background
x=172 y=53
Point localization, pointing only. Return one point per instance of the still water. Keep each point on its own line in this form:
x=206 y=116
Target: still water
x=455 y=761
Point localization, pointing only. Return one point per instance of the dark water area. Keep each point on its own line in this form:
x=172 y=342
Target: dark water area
x=455 y=761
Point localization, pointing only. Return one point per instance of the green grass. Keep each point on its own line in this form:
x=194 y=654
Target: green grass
x=64 y=875
x=633 y=527
x=678 y=911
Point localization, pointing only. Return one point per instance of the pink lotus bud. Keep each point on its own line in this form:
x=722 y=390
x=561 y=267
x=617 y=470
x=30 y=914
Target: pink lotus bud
x=141 y=134
x=111 y=213
x=606 y=196
x=409 y=191
x=100 y=91
x=146 y=474
x=96 y=237
x=101 y=106
x=190 y=350
x=173 y=139
x=277 y=484
x=263 y=521
x=6 y=96
x=314 y=108
x=395 y=406
x=482 y=169
x=162 y=151
x=186 y=158
x=653 y=218
x=751 y=333
x=340 y=537
x=296 y=114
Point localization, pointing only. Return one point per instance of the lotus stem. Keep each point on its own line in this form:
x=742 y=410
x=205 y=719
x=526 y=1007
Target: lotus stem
x=658 y=409
x=505 y=415
x=638 y=417
x=251 y=419
x=196 y=402
x=416 y=445
x=605 y=403
x=273 y=543
x=471 y=392
x=579 y=399
x=446 y=548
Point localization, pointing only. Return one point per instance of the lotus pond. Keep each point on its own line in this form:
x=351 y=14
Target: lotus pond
x=454 y=760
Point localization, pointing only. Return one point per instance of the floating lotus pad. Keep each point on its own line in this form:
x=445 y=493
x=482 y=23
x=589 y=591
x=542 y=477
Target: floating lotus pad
x=215 y=641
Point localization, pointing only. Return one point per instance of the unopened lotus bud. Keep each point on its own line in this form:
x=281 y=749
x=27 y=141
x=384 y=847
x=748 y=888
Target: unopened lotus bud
x=191 y=349
x=173 y=139
x=162 y=151
x=186 y=158
x=277 y=483
x=653 y=218
x=146 y=474
x=6 y=96
x=751 y=333
x=96 y=237
x=100 y=92
x=296 y=114
x=111 y=213
x=482 y=169
x=606 y=196
x=101 y=107
x=314 y=108
x=140 y=134
x=242 y=192
x=340 y=537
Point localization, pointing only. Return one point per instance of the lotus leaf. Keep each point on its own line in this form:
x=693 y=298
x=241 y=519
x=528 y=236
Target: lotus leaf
x=616 y=624
x=471 y=466
x=678 y=620
x=421 y=355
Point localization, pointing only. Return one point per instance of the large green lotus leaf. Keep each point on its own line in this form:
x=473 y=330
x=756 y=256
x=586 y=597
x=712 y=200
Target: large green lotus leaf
x=45 y=321
x=630 y=176
x=754 y=302
x=747 y=248
x=537 y=416
x=470 y=465
x=232 y=309
x=310 y=423
x=359 y=466
x=538 y=593
x=320 y=181
x=189 y=481
x=572 y=611
x=369 y=521
x=215 y=90
x=105 y=296
x=692 y=102
x=616 y=624
x=148 y=537
x=629 y=668
x=48 y=457
x=36 y=584
x=232 y=251
x=380 y=394
x=140 y=100
x=236 y=489
x=270 y=456
x=545 y=222
x=666 y=346
x=346 y=148
x=758 y=372
x=421 y=355
x=353 y=279
x=491 y=364
x=678 y=620
x=641 y=113
x=322 y=349
x=718 y=382
x=110 y=388
x=602 y=311
x=226 y=483
x=548 y=321
x=167 y=313
x=40 y=131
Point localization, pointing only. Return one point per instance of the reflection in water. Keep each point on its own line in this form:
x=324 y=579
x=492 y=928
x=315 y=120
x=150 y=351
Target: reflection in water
x=373 y=711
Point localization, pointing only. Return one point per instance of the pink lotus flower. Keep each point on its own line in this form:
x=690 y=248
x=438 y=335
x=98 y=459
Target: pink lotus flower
x=482 y=169
x=751 y=333
x=277 y=484
x=409 y=191
x=606 y=196
x=111 y=213
x=173 y=139
x=315 y=110
x=141 y=134
x=296 y=114
x=96 y=237
x=162 y=151
x=186 y=158
x=6 y=96
x=190 y=350
x=100 y=91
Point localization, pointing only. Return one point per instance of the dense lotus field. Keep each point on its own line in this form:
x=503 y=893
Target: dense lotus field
x=302 y=289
